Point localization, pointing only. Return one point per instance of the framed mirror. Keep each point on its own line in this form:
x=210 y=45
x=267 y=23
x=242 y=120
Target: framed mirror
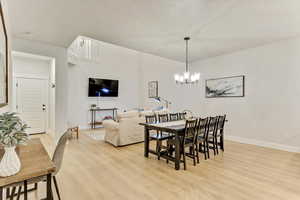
x=3 y=60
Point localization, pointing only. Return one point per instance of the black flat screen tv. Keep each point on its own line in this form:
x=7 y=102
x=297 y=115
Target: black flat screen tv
x=103 y=87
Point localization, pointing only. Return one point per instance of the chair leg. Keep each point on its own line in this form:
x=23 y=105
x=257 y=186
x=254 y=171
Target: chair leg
x=12 y=194
x=214 y=147
x=194 y=156
x=56 y=187
x=184 y=160
x=158 y=149
x=207 y=149
x=7 y=192
x=197 y=153
x=19 y=192
x=157 y=145
x=217 y=148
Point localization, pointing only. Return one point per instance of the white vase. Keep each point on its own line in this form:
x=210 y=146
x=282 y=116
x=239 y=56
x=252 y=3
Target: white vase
x=10 y=163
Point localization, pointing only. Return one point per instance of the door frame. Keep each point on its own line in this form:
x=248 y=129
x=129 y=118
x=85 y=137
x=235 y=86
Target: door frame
x=51 y=92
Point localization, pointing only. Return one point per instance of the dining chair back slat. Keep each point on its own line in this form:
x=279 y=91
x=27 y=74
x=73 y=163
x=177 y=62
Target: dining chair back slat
x=181 y=116
x=163 y=118
x=173 y=116
x=150 y=119
x=190 y=131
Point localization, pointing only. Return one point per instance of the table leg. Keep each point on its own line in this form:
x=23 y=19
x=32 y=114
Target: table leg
x=177 y=152
x=1 y=193
x=92 y=115
x=146 y=143
x=94 y=119
x=25 y=190
x=49 y=187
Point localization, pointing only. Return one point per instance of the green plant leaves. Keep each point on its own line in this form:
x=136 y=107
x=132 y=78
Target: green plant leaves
x=12 y=130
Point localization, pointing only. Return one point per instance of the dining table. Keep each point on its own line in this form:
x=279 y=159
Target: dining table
x=35 y=162
x=174 y=127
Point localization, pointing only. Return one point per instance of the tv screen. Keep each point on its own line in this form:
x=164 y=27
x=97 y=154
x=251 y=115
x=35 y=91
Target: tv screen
x=103 y=87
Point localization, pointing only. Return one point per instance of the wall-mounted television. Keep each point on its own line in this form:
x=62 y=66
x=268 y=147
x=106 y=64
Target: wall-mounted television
x=103 y=87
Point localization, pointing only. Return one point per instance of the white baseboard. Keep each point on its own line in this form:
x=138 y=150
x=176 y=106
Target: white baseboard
x=263 y=143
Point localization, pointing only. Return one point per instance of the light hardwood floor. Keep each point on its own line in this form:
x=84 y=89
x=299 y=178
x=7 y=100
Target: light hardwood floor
x=95 y=170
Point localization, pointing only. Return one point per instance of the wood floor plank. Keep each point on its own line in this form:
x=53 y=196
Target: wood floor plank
x=96 y=170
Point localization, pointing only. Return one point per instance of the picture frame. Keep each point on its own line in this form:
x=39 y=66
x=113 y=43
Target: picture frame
x=153 y=89
x=3 y=60
x=233 y=86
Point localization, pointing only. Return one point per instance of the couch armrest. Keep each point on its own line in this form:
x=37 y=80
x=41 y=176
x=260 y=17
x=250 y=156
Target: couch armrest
x=110 y=124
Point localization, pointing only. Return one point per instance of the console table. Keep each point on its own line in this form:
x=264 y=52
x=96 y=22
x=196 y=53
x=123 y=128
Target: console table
x=94 y=112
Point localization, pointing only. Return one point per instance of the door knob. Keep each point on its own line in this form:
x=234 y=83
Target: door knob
x=44 y=107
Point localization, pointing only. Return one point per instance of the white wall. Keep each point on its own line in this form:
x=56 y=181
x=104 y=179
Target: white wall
x=61 y=75
x=133 y=70
x=154 y=68
x=269 y=113
x=116 y=63
x=31 y=67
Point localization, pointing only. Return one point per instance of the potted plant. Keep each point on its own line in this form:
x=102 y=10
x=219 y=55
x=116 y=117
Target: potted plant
x=12 y=133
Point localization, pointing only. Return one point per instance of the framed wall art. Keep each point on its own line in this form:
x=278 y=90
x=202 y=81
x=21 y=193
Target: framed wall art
x=225 y=87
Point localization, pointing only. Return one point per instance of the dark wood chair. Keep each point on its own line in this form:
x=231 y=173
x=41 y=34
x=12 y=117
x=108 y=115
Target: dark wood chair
x=181 y=116
x=202 y=136
x=188 y=141
x=158 y=136
x=173 y=116
x=163 y=118
x=212 y=131
x=220 y=132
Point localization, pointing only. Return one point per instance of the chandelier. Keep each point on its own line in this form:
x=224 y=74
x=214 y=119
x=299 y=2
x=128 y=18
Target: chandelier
x=187 y=77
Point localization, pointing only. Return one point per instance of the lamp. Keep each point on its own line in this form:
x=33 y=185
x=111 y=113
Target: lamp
x=159 y=99
x=187 y=77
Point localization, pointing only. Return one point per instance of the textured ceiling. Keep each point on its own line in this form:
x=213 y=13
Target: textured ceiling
x=158 y=26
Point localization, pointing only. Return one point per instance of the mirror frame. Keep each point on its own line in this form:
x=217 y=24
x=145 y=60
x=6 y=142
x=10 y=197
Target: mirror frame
x=6 y=54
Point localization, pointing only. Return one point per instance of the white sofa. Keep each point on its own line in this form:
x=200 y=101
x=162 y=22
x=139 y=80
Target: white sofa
x=126 y=130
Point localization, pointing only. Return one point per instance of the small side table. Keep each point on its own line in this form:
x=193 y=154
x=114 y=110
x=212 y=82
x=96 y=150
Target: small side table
x=74 y=130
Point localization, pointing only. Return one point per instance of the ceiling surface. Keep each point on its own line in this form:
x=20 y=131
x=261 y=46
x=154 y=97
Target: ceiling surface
x=158 y=26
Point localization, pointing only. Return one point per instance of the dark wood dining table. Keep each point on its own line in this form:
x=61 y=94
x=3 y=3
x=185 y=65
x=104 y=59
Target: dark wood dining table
x=35 y=162
x=175 y=127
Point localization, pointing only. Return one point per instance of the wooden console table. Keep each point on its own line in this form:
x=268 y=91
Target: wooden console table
x=35 y=162
x=94 y=111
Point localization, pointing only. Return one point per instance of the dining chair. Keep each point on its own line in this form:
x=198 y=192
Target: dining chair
x=220 y=131
x=173 y=116
x=181 y=116
x=158 y=136
x=56 y=159
x=188 y=141
x=202 y=136
x=212 y=131
x=163 y=118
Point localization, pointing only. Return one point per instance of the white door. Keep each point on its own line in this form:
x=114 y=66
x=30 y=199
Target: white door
x=32 y=103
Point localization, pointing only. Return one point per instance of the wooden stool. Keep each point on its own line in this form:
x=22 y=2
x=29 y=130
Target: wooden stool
x=76 y=130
